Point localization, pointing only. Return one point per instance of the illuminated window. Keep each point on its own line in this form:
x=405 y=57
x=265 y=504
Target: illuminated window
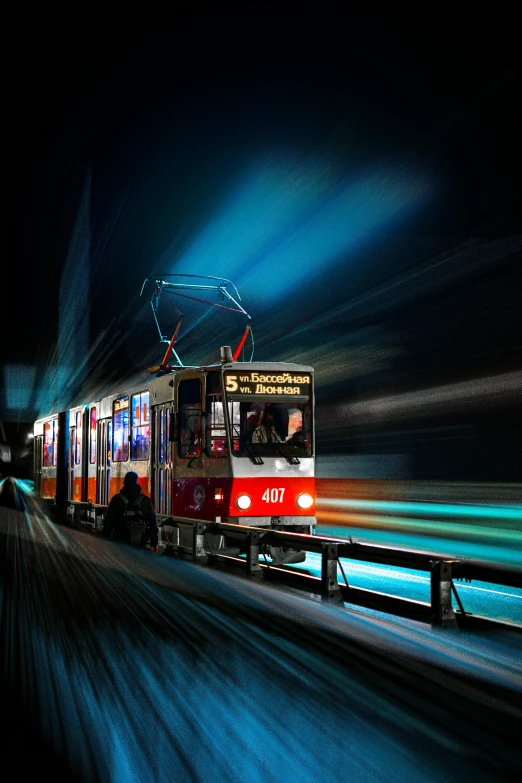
x=109 y=442
x=189 y=402
x=120 y=433
x=216 y=442
x=264 y=429
x=55 y=442
x=78 y=443
x=167 y=435
x=92 y=453
x=161 y=436
x=48 y=445
x=140 y=429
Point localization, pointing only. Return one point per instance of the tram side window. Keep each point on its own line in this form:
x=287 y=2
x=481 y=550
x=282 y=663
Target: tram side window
x=167 y=431
x=120 y=430
x=161 y=438
x=216 y=440
x=78 y=444
x=48 y=445
x=55 y=442
x=92 y=452
x=189 y=405
x=140 y=429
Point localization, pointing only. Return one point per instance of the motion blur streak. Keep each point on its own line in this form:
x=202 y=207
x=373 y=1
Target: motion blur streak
x=73 y=336
x=292 y=219
x=420 y=527
x=496 y=388
x=138 y=668
x=472 y=520
x=19 y=380
x=439 y=271
x=66 y=364
x=439 y=509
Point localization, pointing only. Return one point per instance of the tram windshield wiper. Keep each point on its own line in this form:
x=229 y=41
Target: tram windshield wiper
x=254 y=458
x=290 y=460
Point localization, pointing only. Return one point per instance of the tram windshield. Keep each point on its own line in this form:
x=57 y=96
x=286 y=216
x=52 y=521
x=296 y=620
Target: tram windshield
x=268 y=429
x=270 y=418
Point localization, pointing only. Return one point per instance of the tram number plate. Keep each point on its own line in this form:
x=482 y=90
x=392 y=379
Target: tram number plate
x=273 y=495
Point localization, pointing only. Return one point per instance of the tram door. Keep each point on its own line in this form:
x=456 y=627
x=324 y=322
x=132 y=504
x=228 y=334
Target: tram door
x=161 y=458
x=70 y=462
x=103 y=483
x=38 y=456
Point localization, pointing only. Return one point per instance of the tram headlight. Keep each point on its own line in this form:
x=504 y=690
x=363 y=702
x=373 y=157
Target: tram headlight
x=305 y=500
x=243 y=502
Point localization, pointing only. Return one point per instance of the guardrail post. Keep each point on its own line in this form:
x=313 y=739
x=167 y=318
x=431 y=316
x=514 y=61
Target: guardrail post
x=330 y=588
x=252 y=555
x=198 y=546
x=442 y=612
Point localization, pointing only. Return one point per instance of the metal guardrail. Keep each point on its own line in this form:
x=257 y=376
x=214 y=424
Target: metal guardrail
x=439 y=611
x=443 y=571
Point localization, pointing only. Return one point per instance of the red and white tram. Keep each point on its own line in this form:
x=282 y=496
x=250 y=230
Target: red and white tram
x=197 y=438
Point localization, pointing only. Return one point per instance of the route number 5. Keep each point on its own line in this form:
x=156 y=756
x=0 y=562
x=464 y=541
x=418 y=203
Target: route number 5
x=231 y=383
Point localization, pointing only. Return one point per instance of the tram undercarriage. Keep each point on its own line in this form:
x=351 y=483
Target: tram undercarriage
x=179 y=536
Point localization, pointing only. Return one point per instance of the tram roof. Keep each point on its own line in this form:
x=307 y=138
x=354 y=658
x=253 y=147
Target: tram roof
x=263 y=366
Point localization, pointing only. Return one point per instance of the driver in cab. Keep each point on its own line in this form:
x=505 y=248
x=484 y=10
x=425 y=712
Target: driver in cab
x=266 y=432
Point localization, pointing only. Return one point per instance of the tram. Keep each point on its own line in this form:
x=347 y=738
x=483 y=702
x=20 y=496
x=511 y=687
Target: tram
x=230 y=442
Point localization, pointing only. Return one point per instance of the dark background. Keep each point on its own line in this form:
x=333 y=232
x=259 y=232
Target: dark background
x=358 y=179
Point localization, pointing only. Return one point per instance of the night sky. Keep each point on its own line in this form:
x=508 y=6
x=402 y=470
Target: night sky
x=360 y=186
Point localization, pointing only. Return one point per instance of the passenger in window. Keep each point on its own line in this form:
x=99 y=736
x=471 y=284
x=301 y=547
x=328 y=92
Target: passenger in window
x=191 y=435
x=298 y=439
x=266 y=432
x=246 y=438
x=48 y=456
x=141 y=446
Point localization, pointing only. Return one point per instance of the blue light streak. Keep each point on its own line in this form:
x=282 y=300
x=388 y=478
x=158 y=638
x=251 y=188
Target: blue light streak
x=436 y=509
x=19 y=380
x=290 y=220
x=137 y=668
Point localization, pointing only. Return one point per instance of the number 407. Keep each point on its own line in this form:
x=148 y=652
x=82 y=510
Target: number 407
x=273 y=495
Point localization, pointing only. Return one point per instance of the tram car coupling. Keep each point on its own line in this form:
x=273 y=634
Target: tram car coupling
x=231 y=442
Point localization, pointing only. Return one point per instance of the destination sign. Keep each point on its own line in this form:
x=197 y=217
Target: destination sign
x=280 y=384
x=121 y=404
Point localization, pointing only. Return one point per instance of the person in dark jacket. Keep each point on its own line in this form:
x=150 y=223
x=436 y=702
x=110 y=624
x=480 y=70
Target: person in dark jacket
x=10 y=495
x=115 y=523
